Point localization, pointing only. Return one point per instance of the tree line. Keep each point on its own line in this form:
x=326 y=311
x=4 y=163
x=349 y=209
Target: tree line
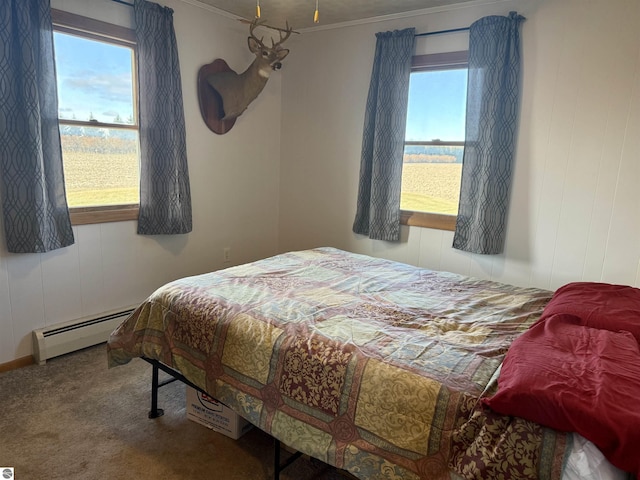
x=432 y=154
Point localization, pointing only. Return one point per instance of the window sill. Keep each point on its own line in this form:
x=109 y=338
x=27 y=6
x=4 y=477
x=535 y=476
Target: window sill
x=428 y=220
x=115 y=213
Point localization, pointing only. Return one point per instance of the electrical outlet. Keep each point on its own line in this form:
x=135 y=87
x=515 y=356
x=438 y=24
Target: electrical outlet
x=226 y=254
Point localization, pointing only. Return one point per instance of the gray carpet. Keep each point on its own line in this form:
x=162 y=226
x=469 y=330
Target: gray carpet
x=74 y=418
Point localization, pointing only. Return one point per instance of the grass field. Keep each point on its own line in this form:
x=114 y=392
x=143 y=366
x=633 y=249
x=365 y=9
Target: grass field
x=431 y=187
x=95 y=179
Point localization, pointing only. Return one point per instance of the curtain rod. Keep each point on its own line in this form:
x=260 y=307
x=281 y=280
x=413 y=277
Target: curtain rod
x=438 y=32
x=123 y=2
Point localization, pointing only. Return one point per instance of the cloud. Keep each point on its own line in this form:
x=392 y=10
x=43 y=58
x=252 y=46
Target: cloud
x=101 y=95
x=94 y=78
x=106 y=87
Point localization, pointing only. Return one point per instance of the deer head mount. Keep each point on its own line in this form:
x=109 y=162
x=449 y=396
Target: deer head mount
x=235 y=91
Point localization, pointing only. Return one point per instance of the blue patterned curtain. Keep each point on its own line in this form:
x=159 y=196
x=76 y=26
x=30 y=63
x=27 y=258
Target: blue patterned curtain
x=34 y=205
x=378 y=209
x=165 y=196
x=493 y=92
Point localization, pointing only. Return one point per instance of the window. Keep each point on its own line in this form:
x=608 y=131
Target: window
x=434 y=141
x=95 y=71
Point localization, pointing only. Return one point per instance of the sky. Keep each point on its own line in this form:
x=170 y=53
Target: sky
x=94 y=78
x=437 y=102
x=94 y=81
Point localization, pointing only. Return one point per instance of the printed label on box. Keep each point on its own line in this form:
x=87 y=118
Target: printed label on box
x=207 y=411
x=7 y=473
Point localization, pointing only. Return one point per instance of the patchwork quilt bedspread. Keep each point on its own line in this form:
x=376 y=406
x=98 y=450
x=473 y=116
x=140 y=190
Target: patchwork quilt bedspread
x=370 y=365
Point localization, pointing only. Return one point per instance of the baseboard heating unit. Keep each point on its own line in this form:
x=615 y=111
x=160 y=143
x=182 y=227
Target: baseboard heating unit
x=75 y=335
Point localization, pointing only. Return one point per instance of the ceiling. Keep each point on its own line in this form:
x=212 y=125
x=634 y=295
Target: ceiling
x=299 y=13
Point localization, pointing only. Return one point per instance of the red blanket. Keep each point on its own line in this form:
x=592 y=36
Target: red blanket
x=578 y=369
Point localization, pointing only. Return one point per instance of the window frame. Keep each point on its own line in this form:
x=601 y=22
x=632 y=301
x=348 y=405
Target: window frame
x=90 y=28
x=425 y=63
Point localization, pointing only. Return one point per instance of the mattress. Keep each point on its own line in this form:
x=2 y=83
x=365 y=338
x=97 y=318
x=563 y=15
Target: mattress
x=373 y=366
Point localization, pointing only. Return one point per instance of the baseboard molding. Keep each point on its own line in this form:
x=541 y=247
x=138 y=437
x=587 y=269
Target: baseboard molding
x=17 y=363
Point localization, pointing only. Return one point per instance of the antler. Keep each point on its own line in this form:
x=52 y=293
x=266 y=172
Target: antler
x=242 y=20
x=255 y=23
x=287 y=31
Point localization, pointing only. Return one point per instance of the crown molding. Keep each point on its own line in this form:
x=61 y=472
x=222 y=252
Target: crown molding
x=400 y=15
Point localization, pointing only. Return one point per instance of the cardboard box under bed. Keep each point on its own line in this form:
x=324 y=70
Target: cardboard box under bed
x=215 y=415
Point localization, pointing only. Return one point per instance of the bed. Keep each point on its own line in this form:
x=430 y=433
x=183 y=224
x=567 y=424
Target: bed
x=373 y=366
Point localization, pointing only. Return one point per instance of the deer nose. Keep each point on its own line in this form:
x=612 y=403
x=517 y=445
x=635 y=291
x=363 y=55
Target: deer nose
x=277 y=66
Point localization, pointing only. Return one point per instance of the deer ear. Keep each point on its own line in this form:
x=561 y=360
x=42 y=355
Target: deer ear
x=282 y=53
x=254 y=46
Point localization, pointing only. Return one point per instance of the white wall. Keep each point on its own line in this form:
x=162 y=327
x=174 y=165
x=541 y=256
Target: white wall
x=234 y=186
x=575 y=210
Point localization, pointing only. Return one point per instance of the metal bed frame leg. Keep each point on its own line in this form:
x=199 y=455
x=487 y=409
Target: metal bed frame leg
x=276 y=461
x=277 y=466
x=155 y=412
